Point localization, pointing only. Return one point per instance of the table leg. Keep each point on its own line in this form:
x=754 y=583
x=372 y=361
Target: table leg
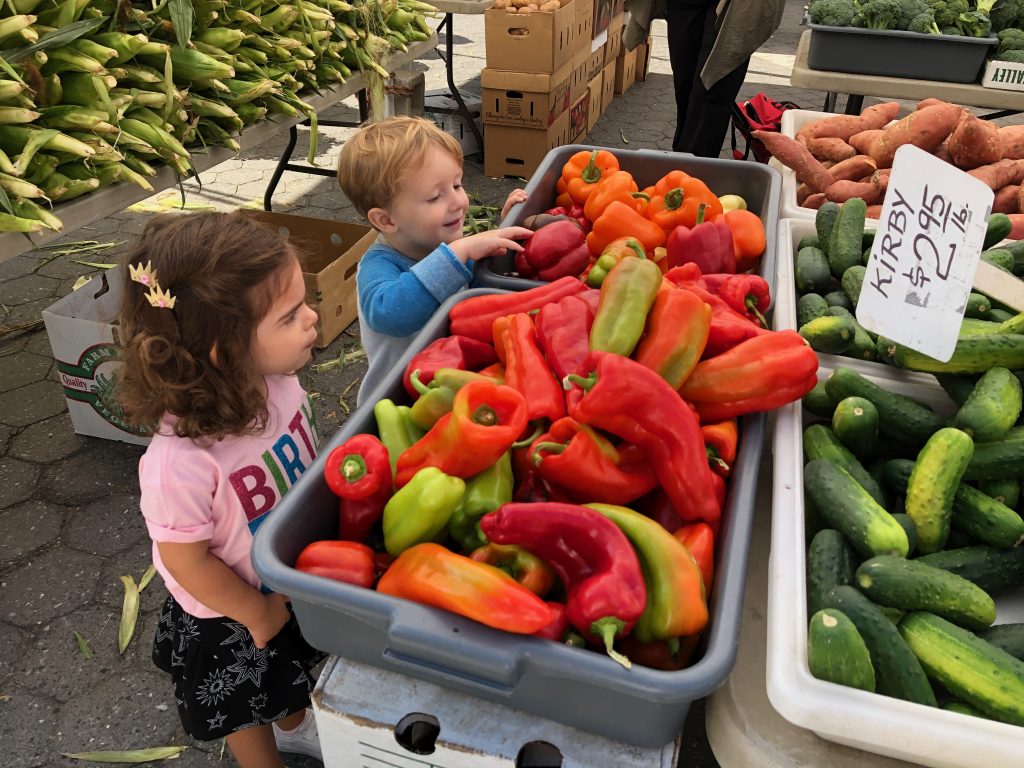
x=286 y=156
x=285 y=163
x=447 y=23
x=830 y=101
x=854 y=104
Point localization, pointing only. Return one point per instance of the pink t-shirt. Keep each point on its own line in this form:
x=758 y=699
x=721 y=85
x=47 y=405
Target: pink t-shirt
x=221 y=492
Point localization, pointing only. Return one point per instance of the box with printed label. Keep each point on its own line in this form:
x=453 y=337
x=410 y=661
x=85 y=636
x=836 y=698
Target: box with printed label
x=578 y=75
x=529 y=42
x=607 y=87
x=643 y=60
x=443 y=111
x=583 y=31
x=595 y=63
x=512 y=150
x=594 y=111
x=615 y=30
x=530 y=99
x=602 y=16
x=579 y=116
x=625 y=71
x=618 y=7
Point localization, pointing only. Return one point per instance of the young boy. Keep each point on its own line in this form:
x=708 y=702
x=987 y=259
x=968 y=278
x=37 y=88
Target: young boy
x=405 y=176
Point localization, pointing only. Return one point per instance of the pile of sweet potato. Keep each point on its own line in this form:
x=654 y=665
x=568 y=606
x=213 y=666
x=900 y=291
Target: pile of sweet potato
x=846 y=156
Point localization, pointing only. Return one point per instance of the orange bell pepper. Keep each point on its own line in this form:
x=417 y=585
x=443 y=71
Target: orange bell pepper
x=748 y=239
x=584 y=170
x=498 y=328
x=667 y=210
x=615 y=186
x=621 y=220
x=694 y=192
x=720 y=443
x=700 y=540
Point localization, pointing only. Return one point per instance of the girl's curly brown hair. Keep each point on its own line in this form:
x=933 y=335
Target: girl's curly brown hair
x=225 y=270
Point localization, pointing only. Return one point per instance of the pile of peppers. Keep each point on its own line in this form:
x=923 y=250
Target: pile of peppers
x=678 y=220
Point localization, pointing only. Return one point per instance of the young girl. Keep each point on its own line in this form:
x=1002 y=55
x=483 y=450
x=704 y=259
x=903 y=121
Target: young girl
x=214 y=325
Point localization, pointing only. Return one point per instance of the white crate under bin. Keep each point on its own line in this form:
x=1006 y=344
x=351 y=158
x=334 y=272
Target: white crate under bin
x=373 y=718
x=869 y=721
x=792 y=121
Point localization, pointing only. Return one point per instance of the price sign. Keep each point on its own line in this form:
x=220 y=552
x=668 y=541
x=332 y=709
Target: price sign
x=925 y=253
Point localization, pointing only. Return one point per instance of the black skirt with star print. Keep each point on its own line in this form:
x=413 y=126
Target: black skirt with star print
x=222 y=681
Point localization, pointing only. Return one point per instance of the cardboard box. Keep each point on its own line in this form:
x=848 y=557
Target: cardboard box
x=530 y=99
x=602 y=16
x=511 y=150
x=329 y=252
x=607 y=86
x=615 y=29
x=534 y=42
x=579 y=117
x=595 y=63
x=442 y=110
x=1003 y=75
x=578 y=75
x=583 y=31
x=594 y=111
x=625 y=71
x=643 y=60
x=618 y=7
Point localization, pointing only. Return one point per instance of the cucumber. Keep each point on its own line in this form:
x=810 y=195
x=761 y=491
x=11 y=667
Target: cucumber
x=892 y=614
x=958 y=388
x=1016 y=247
x=809 y=307
x=875 y=469
x=867 y=239
x=863 y=347
x=818 y=402
x=866 y=256
x=963 y=708
x=992 y=407
x=970 y=326
x=1008 y=637
x=830 y=563
x=971 y=669
x=836 y=652
x=851 y=510
x=896 y=476
x=812 y=271
x=1005 y=491
x=808 y=241
x=820 y=442
x=912 y=585
x=844 y=243
x=853 y=279
x=855 y=423
x=838 y=299
x=973 y=354
x=978 y=306
x=985 y=519
x=998 y=459
x=899 y=417
x=998 y=229
x=830 y=334
x=958 y=539
x=838 y=310
x=883 y=350
x=994 y=570
x=999 y=315
x=824 y=221
x=998 y=257
x=898 y=673
x=933 y=483
x=909 y=528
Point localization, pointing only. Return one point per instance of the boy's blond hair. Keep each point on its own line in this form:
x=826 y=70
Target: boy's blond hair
x=375 y=160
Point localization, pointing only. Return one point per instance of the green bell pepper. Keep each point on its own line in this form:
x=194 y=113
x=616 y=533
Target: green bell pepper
x=436 y=399
x=421 y=509
x=485 y=492
x=396 y=429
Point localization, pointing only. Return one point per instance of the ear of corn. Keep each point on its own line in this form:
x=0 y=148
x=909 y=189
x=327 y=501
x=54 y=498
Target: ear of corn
x=27 y=209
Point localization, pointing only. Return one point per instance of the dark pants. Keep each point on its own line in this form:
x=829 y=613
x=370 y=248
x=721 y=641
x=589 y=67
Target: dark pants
x=702 y=114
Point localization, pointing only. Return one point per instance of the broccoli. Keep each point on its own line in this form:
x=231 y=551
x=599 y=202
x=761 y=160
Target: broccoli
x=1014 y=56
x=877 y=14
x=984 y=6
x=1010 y=40
x=947 y=13
x=954 y=30
x=924 y=23
x=910 y=10
x=974 y=24
x=1004 y=14
x=832 y=13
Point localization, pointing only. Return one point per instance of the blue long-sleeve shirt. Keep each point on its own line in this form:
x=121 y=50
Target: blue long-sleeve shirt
x=397 y=296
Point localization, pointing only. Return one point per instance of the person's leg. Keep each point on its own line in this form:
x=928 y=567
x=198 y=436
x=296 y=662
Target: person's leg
x=255 y=747
x=710 y=113
x=686 y=21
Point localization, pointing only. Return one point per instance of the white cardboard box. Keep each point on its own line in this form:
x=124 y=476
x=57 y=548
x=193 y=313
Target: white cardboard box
x=454 y=123
x=83 y=337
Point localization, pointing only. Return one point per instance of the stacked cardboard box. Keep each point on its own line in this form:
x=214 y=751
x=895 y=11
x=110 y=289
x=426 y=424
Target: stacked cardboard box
x=528 y=85
x=643 y=60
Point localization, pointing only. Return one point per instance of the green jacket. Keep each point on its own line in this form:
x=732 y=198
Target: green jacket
x=743 y=27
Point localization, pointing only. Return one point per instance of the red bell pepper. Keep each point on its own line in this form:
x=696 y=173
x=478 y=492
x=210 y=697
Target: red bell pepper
x=527 y=372
x=430 y=574
x=700 y=540
x=720 y=443
x=359 y=472
x=475 y=316
x=347 y=561
x=677 y=332
x=563 y=332
x=485 y=420
x=605 y=592
x=667 y=655
x=559 y=623
x=621 y=396
x=758 y=375
x=747 y=294
x=575 y=457
x=525 y=567
x=708 y=244
x=533 y=488
x=556 y=250
x=728 y=327
x=455 y=351
x=574 y=211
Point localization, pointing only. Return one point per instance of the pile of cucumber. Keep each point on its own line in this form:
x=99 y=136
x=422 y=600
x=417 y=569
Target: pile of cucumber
x=830 y=267
x=913 y=526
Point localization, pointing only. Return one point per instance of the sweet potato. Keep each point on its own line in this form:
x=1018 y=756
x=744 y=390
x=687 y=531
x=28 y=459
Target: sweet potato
x=1011 y=139
x=926 y=129
x=802 y=193
x=933 y=102
x=998 y=175
x=874 y=211
x=1017 y=229
x=845 y=126
x=862 y=141
x=830 y=148
x=974 y=142
x=942 y=152
x=842 y=191
x=1007 y=199
x=856 y=167
x=815 y=201
x=793 y=155
x=880 y=179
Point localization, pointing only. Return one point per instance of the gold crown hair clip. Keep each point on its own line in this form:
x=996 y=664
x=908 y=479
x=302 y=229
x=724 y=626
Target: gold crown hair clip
x=156 y=296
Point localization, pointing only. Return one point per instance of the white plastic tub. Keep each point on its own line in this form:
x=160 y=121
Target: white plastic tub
x=792 y=121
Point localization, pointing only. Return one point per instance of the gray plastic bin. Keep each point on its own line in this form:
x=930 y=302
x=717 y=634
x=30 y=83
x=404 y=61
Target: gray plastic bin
x=759 y=185
x=588 y=690
x=896 y=53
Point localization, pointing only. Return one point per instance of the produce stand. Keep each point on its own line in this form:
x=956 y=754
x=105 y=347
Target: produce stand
x=103 y=202
x=858 y=86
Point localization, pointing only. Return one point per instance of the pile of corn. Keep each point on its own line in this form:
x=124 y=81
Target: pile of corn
x=94 y=92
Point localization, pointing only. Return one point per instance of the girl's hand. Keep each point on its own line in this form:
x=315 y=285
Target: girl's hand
x=273 y=617
x=492 y=243
x=517 y=196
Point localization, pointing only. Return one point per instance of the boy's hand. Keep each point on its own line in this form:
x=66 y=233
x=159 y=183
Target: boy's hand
x=492 y=243
x=273 y=617
x=517 y=196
